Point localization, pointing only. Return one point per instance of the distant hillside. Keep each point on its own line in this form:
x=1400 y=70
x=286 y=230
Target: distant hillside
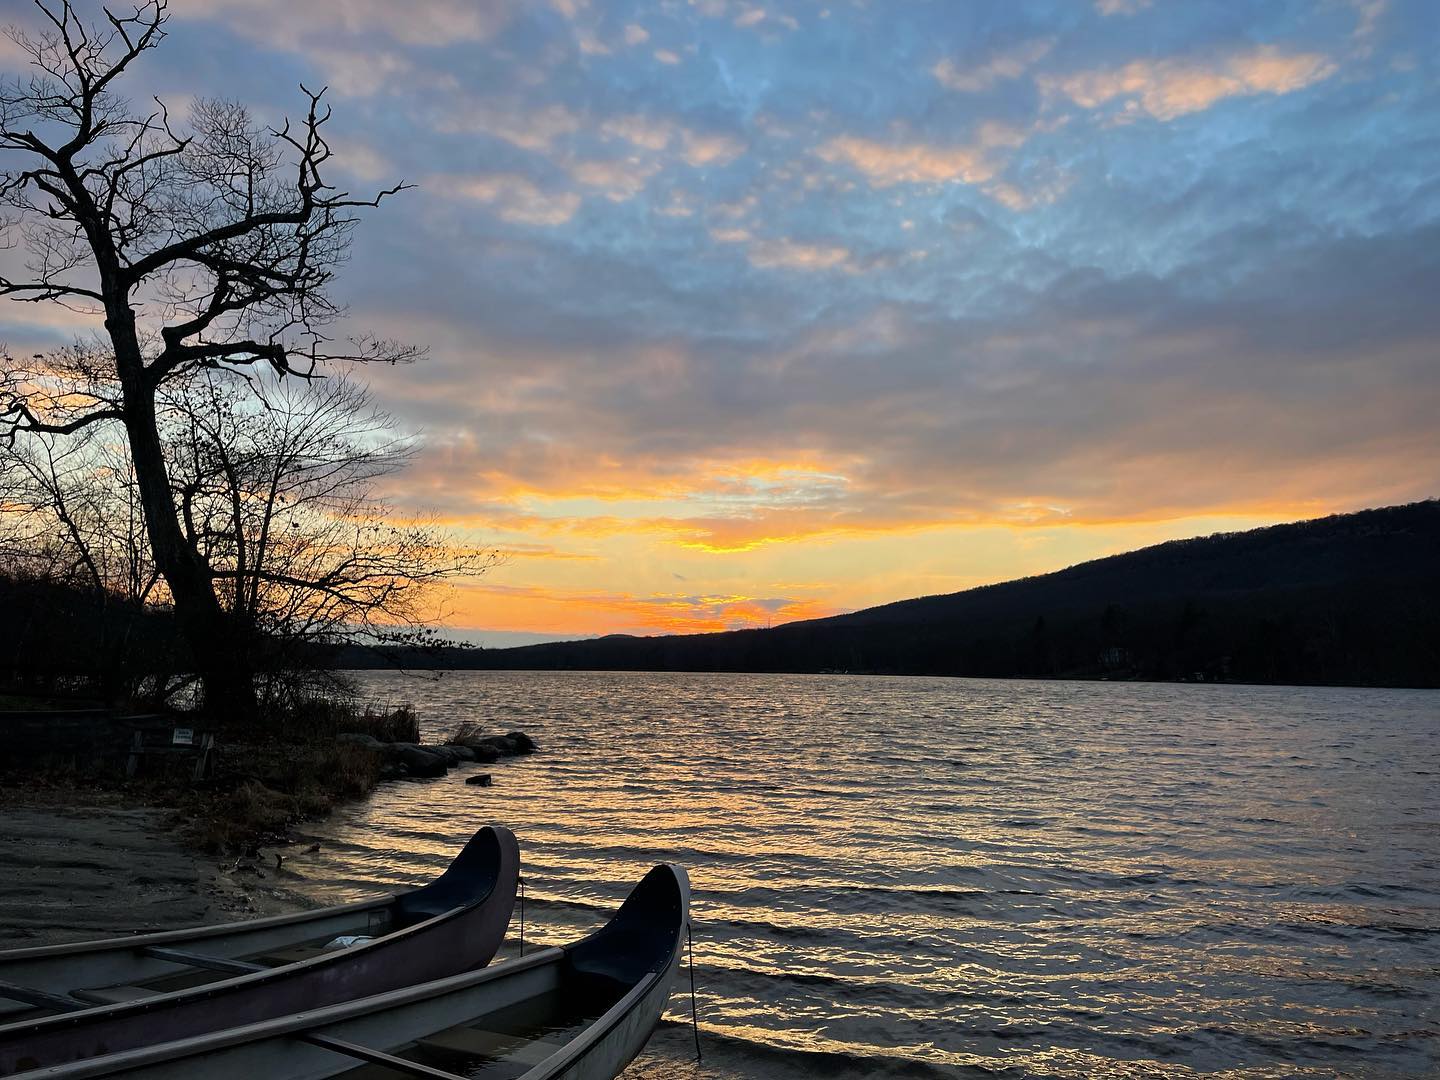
x=1349 y=599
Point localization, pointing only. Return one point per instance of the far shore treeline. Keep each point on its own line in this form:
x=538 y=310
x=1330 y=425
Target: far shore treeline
x=1352 y=599
x=1347 y=600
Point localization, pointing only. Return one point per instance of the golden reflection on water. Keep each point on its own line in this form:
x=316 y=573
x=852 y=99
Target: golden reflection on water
x=909 y=874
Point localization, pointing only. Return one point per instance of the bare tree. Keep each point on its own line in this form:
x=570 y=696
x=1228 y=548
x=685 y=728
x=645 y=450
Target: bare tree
x=208 y=245
x=71 y=513
x=71 y=526
x=276 y=486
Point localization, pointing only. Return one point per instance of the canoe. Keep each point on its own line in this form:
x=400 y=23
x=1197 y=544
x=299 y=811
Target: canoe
x=155 y=988
x=581 y=1012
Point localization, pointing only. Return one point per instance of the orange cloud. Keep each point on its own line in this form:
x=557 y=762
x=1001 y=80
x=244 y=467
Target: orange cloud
x=888 y=164
x=580 y=613
x=1166 y=89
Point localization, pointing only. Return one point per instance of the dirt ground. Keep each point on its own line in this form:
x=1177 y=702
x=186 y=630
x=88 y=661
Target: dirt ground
x=70 y=873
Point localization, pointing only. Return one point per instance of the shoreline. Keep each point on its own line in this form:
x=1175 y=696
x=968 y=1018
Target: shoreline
x=94 y=856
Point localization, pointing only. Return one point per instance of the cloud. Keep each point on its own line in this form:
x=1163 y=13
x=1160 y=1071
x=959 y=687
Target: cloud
x=515 y=198
x=551 y=609
x=1166 y=89
x=286 y=24
x=619 y=179
x=1006 y=64
x=1122 y=7
x=886 y=164
x=658 y=133
x=1368 y=16
x=699 y=149
x=530 y=127
x=809 y=315
x=790 y=255
x=648 y=132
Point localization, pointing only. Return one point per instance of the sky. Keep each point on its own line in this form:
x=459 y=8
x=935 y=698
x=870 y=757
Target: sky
x=744 y=313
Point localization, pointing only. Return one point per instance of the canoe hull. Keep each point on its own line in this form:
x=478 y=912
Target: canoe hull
x=57 y=969
x=640 y=946
x=434 y=947
x=619 y=1046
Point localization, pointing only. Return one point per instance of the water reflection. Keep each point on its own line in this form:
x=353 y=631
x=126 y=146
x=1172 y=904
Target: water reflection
x=911 y=876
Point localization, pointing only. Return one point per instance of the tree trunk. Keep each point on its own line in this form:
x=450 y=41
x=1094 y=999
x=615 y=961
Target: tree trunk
x=220 y=645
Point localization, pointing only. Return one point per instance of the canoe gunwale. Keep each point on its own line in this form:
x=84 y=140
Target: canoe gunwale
x=647 y=901
x=68 y=949
x=604 y=1024
x=299 y=1023
x=224 y=986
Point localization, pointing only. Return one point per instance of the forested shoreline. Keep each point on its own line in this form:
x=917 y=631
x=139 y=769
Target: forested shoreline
x=1343 y=600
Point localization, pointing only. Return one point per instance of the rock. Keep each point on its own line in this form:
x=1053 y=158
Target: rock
x=421 y=762
x=481 y=748
x=490 y=748
x=369 y=742
x=479 y=779
x=446 y=752
x=523 y=743
x=464 y=753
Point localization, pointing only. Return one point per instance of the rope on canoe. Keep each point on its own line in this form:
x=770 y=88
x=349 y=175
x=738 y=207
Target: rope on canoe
x=694 y=1016
x=521 y=880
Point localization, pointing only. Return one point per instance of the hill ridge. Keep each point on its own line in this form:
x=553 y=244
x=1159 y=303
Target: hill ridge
x=1346 y=598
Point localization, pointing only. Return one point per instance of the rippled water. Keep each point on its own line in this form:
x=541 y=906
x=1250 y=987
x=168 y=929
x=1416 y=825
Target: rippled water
x=927 y=877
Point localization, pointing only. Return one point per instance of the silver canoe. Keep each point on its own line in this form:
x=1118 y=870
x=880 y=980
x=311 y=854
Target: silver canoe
x=581 y=1012
x=156 y=988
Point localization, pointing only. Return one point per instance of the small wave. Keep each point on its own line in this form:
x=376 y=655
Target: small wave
x=751 y=1057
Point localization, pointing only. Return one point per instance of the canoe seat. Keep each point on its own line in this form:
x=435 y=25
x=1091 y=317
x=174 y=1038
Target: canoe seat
x=292 y=955
x=115 y=995
x=222 y=964
x=468 y=1042
x=30 y=997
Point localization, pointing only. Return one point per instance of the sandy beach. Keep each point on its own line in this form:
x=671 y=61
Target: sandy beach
x=71 y=873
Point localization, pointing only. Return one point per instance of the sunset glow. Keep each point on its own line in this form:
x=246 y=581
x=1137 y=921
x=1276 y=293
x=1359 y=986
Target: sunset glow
x=739 y=314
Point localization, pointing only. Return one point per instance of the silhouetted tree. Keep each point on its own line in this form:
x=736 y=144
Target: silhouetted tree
x=276 y=487
x=208 y=245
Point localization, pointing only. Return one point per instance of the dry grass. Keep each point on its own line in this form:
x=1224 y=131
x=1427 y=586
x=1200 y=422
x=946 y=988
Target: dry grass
x=465 y=731
x=266 y=780
x=293 y=787
x=238 y=819
x=320 y=719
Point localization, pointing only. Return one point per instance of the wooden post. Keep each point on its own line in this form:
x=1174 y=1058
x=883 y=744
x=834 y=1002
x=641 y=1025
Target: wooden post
x=137 y=747
x=202 y=763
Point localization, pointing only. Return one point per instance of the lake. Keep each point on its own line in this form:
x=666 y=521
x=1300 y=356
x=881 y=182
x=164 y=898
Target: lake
x=930 y=877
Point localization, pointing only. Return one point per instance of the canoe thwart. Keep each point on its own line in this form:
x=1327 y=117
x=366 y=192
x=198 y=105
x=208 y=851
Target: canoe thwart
x=210 y=963
x=378 y=1057
x=28 y=995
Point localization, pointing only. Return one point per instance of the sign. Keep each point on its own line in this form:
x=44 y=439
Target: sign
x=182 y=736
